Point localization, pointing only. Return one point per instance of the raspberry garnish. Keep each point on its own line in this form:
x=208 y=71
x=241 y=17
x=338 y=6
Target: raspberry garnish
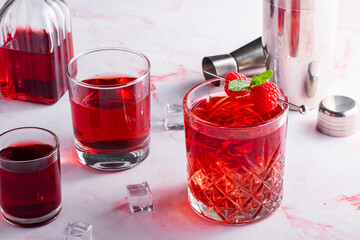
x=265 y=96
x=233 y=76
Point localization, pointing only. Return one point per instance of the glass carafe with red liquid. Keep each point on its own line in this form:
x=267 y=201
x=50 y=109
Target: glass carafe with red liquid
x=35 y=46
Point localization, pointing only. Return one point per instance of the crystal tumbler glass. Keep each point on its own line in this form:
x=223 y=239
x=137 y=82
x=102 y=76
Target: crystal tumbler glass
x=235 y=155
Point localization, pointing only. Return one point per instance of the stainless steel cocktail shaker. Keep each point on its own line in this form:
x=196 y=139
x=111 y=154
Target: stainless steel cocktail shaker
x=298 y=43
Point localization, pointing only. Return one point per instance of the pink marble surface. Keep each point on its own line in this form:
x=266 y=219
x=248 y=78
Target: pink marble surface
x=322 y=180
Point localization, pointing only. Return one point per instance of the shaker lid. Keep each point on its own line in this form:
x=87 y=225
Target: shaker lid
x=338 y=116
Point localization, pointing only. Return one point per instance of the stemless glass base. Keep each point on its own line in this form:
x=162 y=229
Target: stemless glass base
x=31 y=222
x=112 y=161
x=227 y=217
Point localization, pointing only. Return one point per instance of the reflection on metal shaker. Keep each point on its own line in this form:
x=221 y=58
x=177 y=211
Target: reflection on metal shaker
x=300 y=38
x=312 y=79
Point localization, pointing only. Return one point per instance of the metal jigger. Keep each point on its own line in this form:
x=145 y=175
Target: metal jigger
x=248 y=60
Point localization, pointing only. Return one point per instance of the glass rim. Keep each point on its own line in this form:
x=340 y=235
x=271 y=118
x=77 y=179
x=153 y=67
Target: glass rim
x=102 y=49
x=56 y=147
x=188 y=112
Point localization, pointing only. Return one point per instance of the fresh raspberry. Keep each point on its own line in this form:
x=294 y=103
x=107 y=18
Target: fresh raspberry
x=233 y=76
x=265 y=96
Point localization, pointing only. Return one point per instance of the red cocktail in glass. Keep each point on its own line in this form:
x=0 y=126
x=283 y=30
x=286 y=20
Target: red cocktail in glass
x=110 y=104
x=30 y=186
x=235 y=155
x=110 y=122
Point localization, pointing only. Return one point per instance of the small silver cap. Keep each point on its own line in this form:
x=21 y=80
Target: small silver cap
x=338 y=116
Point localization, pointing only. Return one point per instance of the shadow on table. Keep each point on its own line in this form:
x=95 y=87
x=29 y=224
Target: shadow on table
x=172 y=218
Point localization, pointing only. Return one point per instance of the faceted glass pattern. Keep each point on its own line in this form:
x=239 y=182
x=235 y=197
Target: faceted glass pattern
x=235 y=173
x=239 y=195
x=237 y=188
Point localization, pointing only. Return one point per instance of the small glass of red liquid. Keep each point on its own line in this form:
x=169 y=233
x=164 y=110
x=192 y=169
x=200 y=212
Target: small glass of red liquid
x=235 y=156
x=30 y=181
x=110 y=104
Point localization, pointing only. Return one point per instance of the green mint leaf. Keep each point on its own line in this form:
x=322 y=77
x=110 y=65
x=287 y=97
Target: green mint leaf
x=262 y=78
x=238 y=85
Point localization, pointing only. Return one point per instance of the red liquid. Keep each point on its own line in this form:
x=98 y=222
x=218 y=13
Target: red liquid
x=27 y=191
x=32 y=71
x=295 y=27
x=111 y=120
x=281 y=20
x=238 y=178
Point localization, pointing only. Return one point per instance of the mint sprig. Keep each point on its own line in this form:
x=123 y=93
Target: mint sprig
x=261 y=78
x=238 y=85
x=241 y=85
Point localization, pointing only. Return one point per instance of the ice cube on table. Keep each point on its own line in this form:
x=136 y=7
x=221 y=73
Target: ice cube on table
x=140 y=197
x=174 y=117
x=78 y=231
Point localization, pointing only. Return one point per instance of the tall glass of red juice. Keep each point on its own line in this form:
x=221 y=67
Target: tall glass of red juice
x=30 y=185
x=110 y=104
x=235 y=155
